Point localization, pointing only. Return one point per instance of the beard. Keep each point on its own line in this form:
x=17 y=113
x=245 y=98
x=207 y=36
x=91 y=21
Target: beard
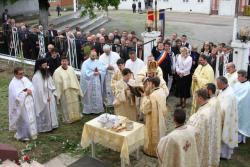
x=44 y=72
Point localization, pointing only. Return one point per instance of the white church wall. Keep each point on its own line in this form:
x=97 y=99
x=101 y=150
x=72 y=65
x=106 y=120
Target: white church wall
x=127 y=4
x=186 y=5
x=226 y=7
x=197 y=6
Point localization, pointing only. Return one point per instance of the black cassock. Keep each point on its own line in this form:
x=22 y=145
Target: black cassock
x=3 y=44
x=33 y=46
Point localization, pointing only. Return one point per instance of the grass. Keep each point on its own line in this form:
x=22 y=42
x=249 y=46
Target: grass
x=48 y=145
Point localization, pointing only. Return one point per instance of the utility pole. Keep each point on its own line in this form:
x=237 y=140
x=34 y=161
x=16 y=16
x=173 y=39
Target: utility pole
x=235 y=20
x=74 y=5
x=156 y=15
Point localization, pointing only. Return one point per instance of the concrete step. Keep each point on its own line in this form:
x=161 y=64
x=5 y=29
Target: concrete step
x=74 y=22
x=89 y=26
x=97 y=24
x=62 y=160
x=64 y=19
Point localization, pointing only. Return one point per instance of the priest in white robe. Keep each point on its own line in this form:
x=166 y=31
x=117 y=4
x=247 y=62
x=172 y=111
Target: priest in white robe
x=229 y=118
x=91 y=81
x=109 y=59
x=134 y=64
x=242 y=93
x=179 y=148
x=22 y=118
x=68 y=91
x=231 y=75
x=44 y=97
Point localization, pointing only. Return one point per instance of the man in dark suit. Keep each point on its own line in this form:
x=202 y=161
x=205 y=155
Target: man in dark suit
x=5 y=16
x=52 y=34
x=79 y=48
x=53 y=61
x=3 y=43
x=23 y=36
x=33 y=43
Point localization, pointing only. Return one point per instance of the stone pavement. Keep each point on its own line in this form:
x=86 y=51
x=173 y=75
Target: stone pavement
x=62 y=160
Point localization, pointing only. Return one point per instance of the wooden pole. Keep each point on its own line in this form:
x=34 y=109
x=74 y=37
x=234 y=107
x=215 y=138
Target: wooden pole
x=156 y=15
x=235 y=20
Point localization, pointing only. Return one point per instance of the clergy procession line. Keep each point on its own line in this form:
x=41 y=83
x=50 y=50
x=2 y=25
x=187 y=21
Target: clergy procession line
x=139 y=91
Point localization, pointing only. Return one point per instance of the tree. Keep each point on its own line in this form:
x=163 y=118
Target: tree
x=44 y=13
x=43 y=10
x=90 y=5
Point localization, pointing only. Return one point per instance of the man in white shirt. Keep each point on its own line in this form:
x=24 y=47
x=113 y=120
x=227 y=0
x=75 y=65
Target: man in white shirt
x=134 y=64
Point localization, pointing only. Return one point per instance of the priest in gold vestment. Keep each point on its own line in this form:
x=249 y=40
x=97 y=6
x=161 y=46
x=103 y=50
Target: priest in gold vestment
x=202 y=120
x=215 y=121
x=179 y=148
x=143 y=73
x=68 y=91
x=118 y=73
x=152 y=70
x=153 y=106
x=229 y=113
x=124 y=103
x=203 y=74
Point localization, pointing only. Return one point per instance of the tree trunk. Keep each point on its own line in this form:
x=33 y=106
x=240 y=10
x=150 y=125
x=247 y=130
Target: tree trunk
x=43 y=13
x=43 y=18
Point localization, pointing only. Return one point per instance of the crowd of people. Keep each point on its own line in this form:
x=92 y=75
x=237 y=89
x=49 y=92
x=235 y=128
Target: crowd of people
x=113 y=73
x=34 y=39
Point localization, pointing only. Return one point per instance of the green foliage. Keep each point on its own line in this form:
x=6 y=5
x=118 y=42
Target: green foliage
x=90 y=5
x=5 y=2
